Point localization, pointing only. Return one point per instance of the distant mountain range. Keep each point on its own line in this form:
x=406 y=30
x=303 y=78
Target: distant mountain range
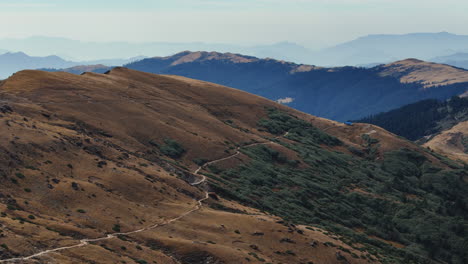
x=92 y=51
x=341 y=93
x=97 y=68
x=13 y=62
x=458 y=60
x=386 y=48
x=366 y=50
x=453 y=57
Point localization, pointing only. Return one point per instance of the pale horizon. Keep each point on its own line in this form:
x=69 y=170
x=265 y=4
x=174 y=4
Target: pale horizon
x=314 y=24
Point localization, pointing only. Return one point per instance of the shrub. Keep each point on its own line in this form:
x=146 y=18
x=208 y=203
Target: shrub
x=279 y=123
x=200 y=161
x=322 y=193
x=172 y=149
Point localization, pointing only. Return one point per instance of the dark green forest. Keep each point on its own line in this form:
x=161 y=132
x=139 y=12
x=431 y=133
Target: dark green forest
x=423 y=118
x=403 y=198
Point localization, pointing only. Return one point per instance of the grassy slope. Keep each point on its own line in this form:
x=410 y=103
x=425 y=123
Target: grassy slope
x=452 y=142
x=344 y=178
x=402 y=198
x=83 y=156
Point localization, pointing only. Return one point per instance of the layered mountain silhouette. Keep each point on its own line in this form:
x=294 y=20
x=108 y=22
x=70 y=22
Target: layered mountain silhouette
x=337 y=93
x=384 y=48
x=93 y=51
x=366 y=50
x=458 y=60
x=13 y=62
x=97 y=68
x=136 y=167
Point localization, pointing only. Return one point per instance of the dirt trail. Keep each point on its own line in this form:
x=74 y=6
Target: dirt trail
x=86 y=241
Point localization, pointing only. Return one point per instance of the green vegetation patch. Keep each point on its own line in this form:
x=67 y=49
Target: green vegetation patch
x=404 y=198
x=172 y=148
x=279 y=123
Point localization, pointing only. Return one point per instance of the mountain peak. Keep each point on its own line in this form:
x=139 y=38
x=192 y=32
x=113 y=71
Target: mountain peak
x=200 y=56
x=409 y=61
x=418 y=71
x=15 y=54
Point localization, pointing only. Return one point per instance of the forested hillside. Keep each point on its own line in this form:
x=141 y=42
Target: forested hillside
x=423 y=118
x=131 y=166
x=341 y=93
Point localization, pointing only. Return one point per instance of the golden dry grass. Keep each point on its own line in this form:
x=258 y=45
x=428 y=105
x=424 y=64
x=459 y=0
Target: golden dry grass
x=428 y=73
x=81 y=147
x=450 y=142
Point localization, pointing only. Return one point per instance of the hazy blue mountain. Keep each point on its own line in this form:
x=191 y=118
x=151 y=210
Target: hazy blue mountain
x=336 y=93
x=113 y=62
x=457 y=63
x=97 y=68
x=371 y=49
x=459 y=56
x=386 y=48
x=13 y=62
x=287 y=51
x=459 y=59
x=92 y=51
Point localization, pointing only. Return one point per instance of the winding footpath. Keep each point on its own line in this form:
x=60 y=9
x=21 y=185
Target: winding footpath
x=87 y=241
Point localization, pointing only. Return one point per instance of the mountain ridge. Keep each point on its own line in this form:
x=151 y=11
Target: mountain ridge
x=274 y=79
x=85 y=156
x=91 y=51
x=11 y=62
x=390 y=86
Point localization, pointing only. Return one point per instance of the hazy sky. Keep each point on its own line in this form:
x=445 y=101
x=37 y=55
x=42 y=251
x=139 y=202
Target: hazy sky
x=312 y=23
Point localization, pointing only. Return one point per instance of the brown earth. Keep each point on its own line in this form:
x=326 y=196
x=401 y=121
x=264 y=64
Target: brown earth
x=79 y=160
